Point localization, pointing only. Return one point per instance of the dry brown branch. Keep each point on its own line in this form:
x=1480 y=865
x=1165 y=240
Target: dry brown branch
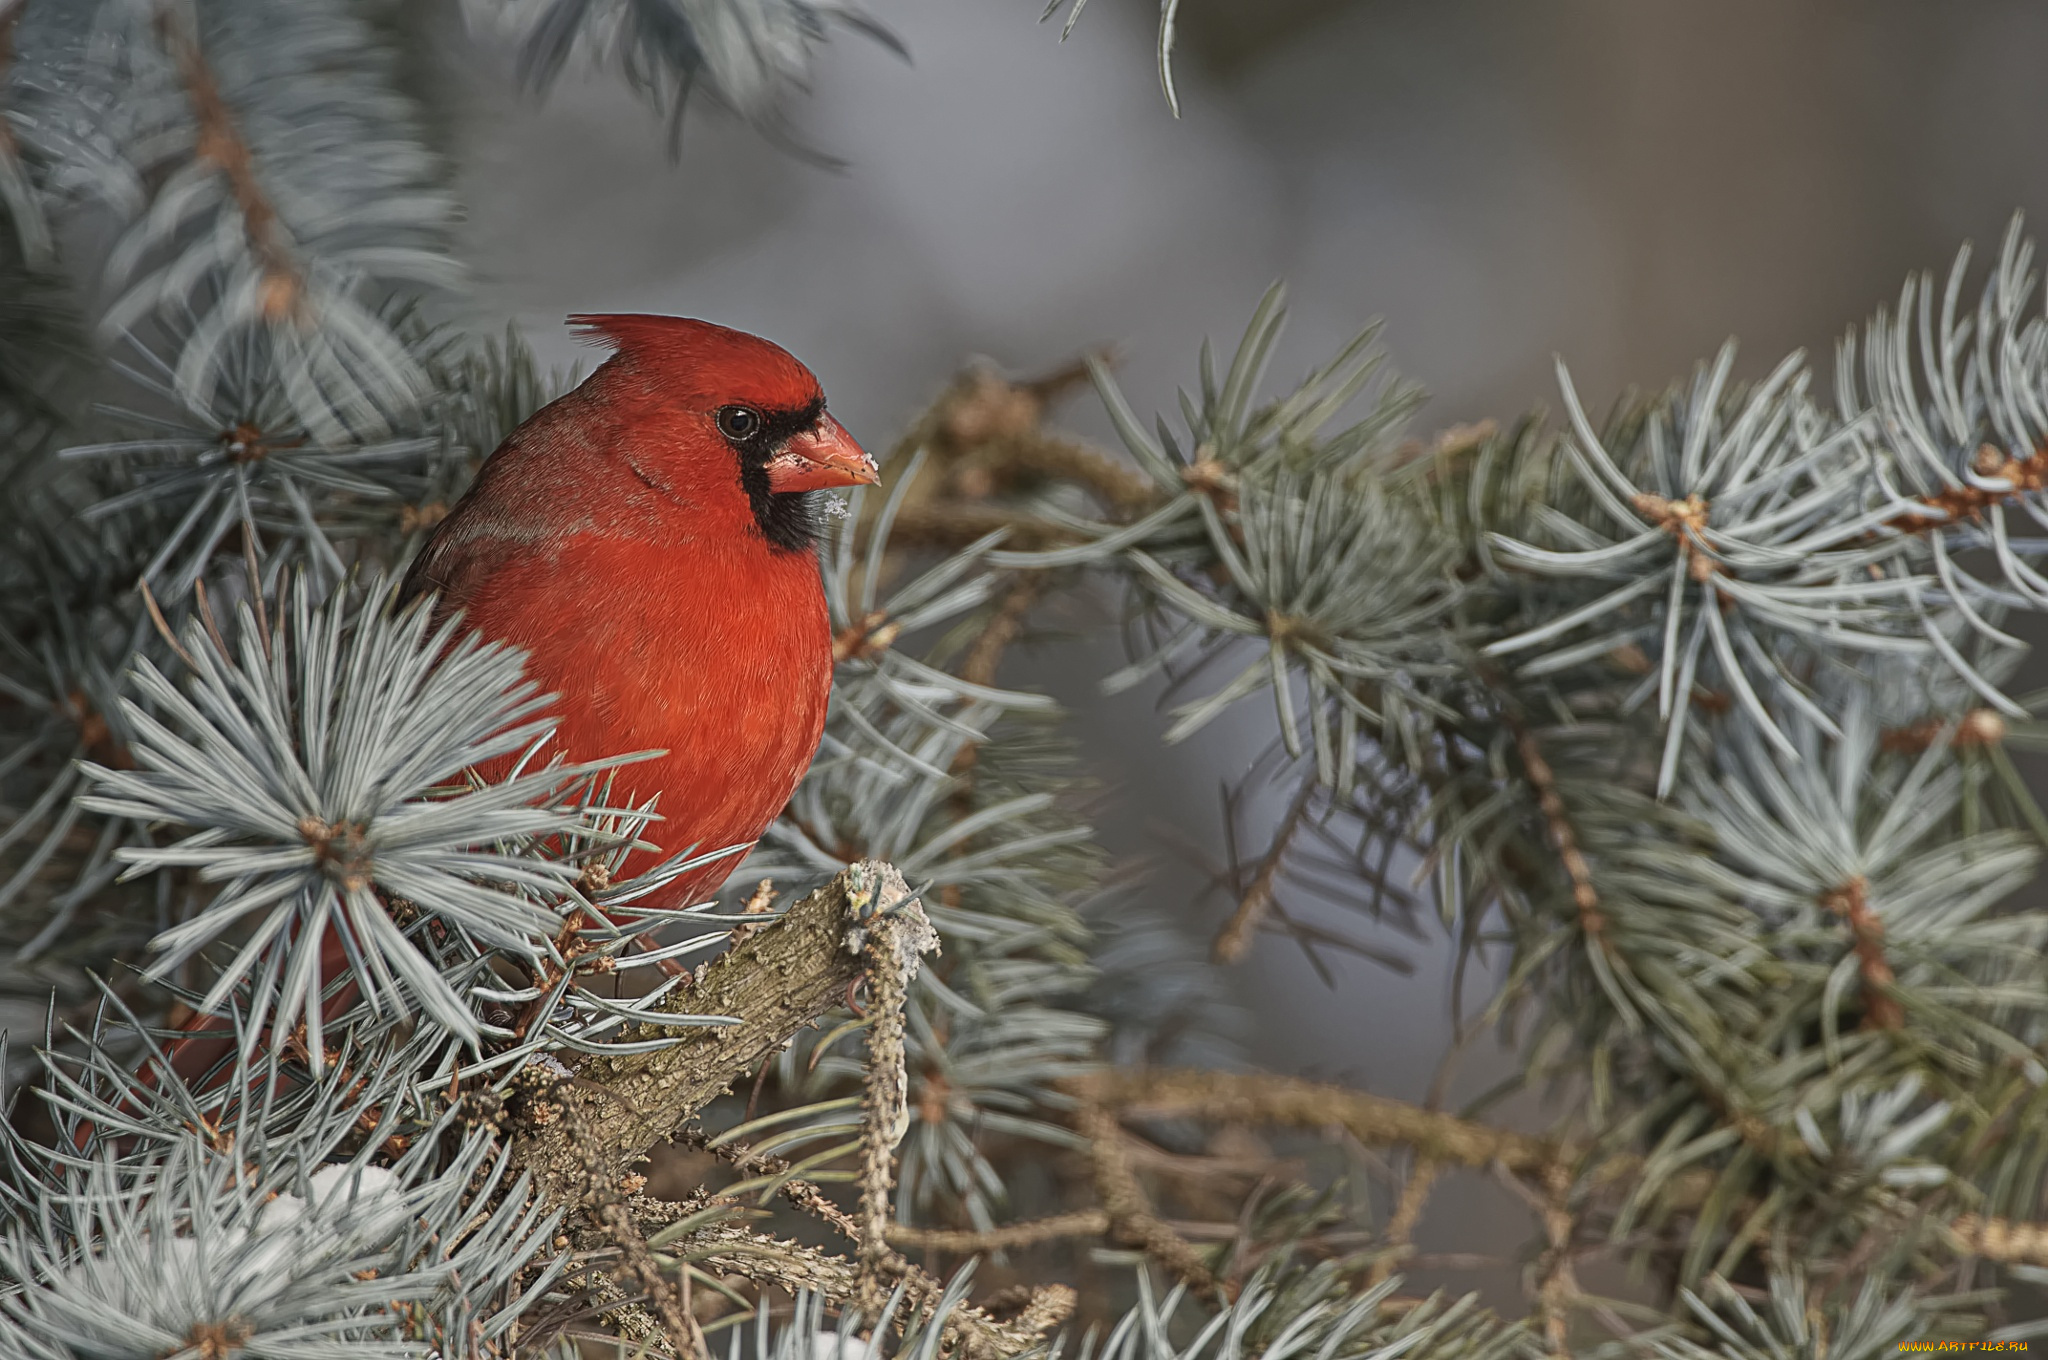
x=1131 y=1219
x=1051 y=1304
x=985 y=654
x=948 y=526
x=1685 y=520
x=220 y=142
x=984 y=657
x=1087 y=1223
x=1289 y=1102
x=1970 y=502
x=1415 y=1188
x=1851 y=902
x=1541 y=778
x=801 y=1194
x=787 y=1265
x=601 y=1199
x=1557 y=1283
x=10 y=15
x=988 y=434
x=2000 y=1239
x=1236 y=935
x=874 y=633
x=894 y=944
x=1979 y=727
x=1015 y=462
x=773 y=983
x=618 y=1309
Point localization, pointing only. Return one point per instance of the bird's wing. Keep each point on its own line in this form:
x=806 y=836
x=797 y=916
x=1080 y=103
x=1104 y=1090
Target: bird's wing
x=463 y=552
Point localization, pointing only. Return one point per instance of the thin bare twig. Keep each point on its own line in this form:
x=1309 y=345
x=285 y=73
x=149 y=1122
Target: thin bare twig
x=1236 y=935
x=1131 y=1219
x=1087 y=1223
x=2000 y=1239
x=1415 y=1188
x=221 y=143
x=1258 y=1099
x=1585 y=896
x=1851 y=902
x=625 y=1312
x=602 y=1200
x=801 y=1194
x=894 y=944
x=733 y=1250
x=163 y=627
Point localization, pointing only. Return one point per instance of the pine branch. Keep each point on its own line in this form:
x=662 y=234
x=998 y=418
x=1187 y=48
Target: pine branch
x=220 y=142
x=1235 y=937
x=1261 y=1099
x=1131 y=1217
x=788 y=1265
x=744 y=55
x=892 y=948
x=1408 y=1208
x=600 y=1196
x=1010 y=1236
x=772 y=984
x=2000 y=1239
x=1851 y=902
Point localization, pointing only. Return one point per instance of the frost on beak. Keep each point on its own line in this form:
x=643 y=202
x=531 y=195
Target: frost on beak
x=821 y=457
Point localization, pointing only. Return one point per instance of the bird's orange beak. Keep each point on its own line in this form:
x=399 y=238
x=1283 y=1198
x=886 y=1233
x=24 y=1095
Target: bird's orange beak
x=820 y=457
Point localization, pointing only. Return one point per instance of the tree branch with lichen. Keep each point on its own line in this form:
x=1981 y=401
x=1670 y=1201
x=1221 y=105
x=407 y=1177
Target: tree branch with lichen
x=778 y=979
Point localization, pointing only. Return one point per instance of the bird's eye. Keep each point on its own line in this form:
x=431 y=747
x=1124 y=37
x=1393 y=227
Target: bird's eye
x=739 y=422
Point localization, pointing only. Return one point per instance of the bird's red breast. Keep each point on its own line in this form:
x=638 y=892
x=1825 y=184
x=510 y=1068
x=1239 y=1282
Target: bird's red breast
x=647 y=541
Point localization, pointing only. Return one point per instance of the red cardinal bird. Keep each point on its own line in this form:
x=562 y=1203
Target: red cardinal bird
x=648 y=540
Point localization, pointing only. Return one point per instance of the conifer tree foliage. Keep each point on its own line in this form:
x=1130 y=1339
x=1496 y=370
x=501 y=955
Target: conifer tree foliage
x=1701 y=714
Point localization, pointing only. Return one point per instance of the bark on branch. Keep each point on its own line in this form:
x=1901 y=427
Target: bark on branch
x=732 y=1250
x=772 y=983
x=1289 y=1102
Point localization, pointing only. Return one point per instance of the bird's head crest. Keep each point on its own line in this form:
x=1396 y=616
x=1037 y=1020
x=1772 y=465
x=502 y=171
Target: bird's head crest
x=703 y=360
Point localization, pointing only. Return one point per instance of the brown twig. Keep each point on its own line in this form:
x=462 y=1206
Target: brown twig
x=624 y=1312
x=1005 y=624
x=2000 y=1239
x=1131 y=1219
x=1415 y=1188
x=801 y=1194
x=1970 y=502
x=10 y=15
x=1686 y=521
x=255 y=575
x=1851 y=902
x=1259 y=1099
x=978 y=667
x=1979 y=727
x=221 y=142
x=894 y=945
x=1585 y=896
x=1016 y=462
x=733 y=1250
x=1087 y=1223
x=163 y=627
x=774 y=983
x=873 y=634
x=601 y=1199
x=1050 y=1305
x=951 y=525
x=1236 y=935
x=1557 y=1283
x=988 y=432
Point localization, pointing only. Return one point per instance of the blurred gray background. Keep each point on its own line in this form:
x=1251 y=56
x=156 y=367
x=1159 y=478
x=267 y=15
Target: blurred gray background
x=1620 y=183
